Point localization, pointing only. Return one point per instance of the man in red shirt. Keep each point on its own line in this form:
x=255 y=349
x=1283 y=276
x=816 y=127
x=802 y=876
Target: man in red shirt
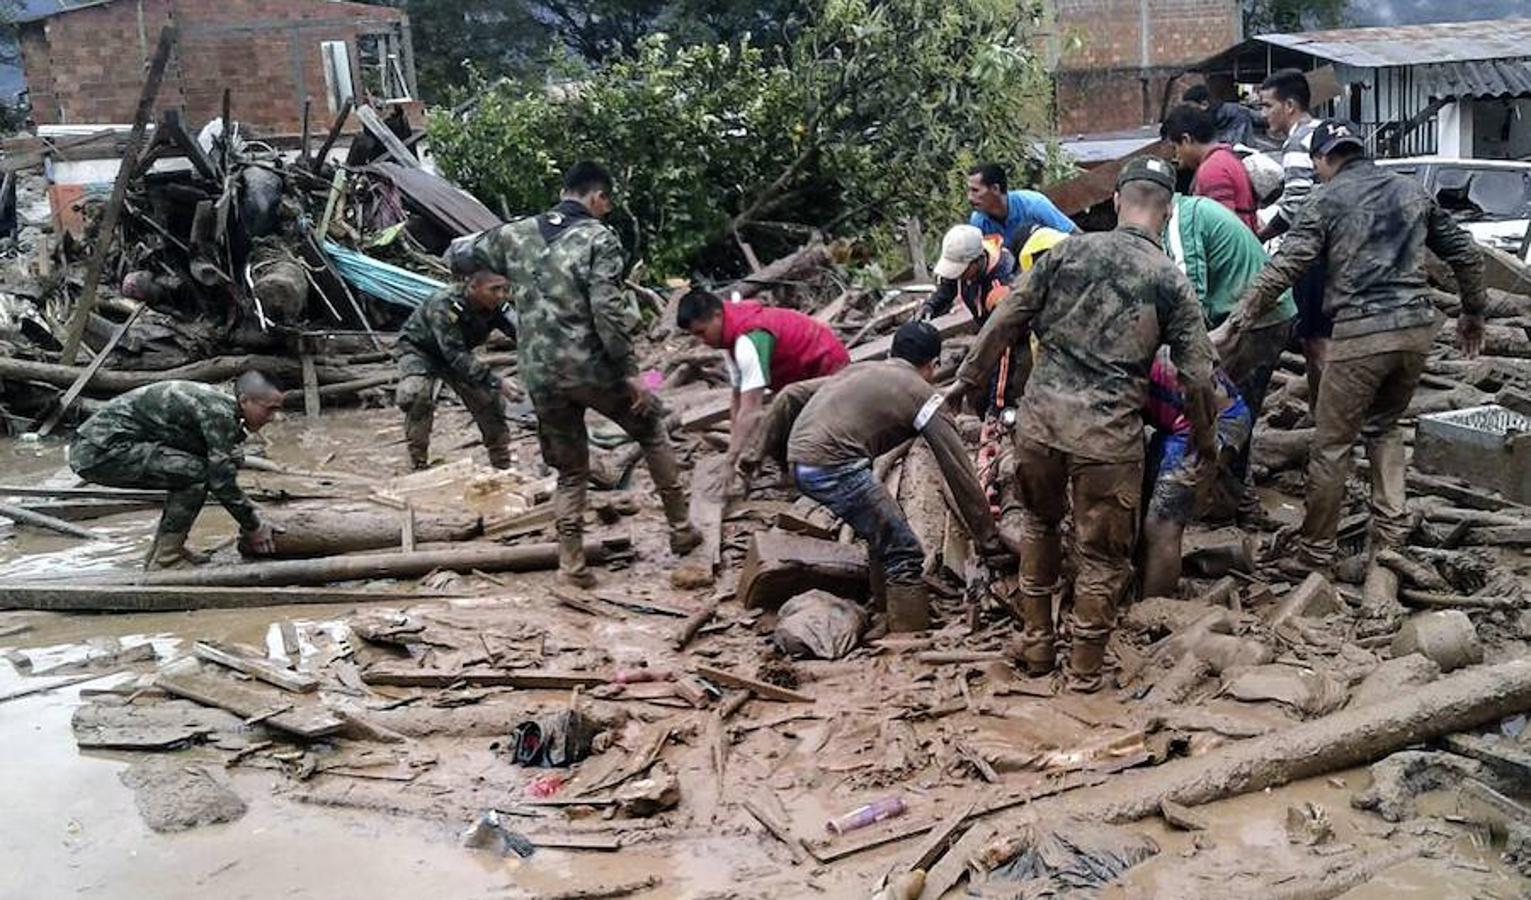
x=1220 y=174
x=768 y=347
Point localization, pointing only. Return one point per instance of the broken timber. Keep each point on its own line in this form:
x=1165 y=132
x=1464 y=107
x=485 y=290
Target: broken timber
x=250 y=702
x=135 y=598
x=23 y=516
x=286 y=679
x=492 y=558
x=762 y=689
x=526 y=681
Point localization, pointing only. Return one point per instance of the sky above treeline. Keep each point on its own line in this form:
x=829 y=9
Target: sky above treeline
x=1416 y=12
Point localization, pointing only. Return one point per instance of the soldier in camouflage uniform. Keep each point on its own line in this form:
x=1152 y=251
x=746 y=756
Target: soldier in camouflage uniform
x=1100 y=306
x=576 y=350
x=1370 y=229
x=435 y=344
x=181 y=437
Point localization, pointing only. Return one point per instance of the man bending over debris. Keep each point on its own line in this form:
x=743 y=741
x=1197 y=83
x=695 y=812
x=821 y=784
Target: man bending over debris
x=1100 y=305
x=575 y=340
x=1370 y=228
x=768 y=347
x=436 y=343
x=1174 y=484
x=862 y=413
x=182 y=437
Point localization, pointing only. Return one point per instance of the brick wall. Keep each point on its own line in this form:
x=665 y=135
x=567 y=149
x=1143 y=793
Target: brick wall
x=87 y=66
x=1101 y=64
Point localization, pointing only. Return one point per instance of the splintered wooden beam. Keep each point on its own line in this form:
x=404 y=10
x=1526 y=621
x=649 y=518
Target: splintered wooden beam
x=147 y=598
x=286 y=679
x=530 y=681
x=762 y=689
x=250 y=702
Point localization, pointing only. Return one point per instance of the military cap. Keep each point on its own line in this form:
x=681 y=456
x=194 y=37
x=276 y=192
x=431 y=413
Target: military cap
x=1148 y=168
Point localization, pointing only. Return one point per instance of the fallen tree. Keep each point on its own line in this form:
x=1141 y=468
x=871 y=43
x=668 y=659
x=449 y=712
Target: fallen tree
x=326 y=532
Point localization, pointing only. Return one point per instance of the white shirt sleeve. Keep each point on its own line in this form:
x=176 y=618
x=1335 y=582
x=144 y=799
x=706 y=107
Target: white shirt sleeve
x=745 y=370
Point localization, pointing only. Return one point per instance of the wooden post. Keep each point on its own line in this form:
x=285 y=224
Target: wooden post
x=29 y=517
x=329 y=141
x=310 y=387
x=308 y=103
x=73 y=393
x=389 y=140
x=107 y=229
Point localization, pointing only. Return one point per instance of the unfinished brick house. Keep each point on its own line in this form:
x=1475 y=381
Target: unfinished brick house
x=1113 y=58
x=85 y=61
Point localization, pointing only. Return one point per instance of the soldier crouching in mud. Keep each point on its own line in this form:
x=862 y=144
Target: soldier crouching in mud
x=181 y=437
x=436 y=343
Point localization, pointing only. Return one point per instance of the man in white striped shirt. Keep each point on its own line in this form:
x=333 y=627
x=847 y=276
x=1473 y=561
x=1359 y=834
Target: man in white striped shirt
x=1285 y=97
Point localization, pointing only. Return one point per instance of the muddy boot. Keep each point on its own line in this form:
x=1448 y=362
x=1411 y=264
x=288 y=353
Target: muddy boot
x=1037 y=644
x=1087 y=660
x=499 y=455
x=908 y=607
x=685 y=539
x=419 y=458
x=571 y=562
x=170 y=550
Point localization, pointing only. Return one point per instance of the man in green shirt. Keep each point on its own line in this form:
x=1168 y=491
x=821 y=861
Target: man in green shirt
x=1221 y=257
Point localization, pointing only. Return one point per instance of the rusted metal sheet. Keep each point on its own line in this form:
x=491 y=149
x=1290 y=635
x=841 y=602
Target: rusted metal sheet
x=449 y=206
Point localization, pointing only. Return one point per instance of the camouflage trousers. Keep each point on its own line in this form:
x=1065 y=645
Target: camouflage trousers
x=415 y=395
x=566 y=447
x=152 y=466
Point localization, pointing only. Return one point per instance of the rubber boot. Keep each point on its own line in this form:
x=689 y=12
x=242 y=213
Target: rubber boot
x=571 y=562
x=908 y=607
x=499 y=455
x=1038 y=650
x=1087 y=659
x=419 y=458
x=171 y=550
x=684 y=537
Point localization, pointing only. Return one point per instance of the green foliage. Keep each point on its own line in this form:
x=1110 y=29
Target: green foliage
x=1282 y=16
x=865 y=117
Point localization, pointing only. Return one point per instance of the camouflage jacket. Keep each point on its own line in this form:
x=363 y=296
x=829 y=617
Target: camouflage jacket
x=1372 y=227
x=438 y=338
x=575 y=325
x=1100 y=306
x=194 y=418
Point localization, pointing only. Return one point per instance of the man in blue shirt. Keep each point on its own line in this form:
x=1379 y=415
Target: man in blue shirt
x=1010 y=214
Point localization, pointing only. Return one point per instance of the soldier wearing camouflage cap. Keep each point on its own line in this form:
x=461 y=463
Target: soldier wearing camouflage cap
x=181 y=437
x=436 y=343
x=575 y=340
x=1100 y=305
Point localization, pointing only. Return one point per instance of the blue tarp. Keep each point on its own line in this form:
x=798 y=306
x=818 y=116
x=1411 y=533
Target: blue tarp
x=375 y=278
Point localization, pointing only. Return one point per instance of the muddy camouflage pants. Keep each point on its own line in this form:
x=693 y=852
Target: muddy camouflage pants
x=1105 y=498
x=149 y=466
x=1363 y=398
x=565 y=446
x=414 y=396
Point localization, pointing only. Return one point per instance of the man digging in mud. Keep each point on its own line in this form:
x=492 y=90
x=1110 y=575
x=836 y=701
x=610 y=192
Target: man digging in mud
x=1100 y=305
x=181 y=437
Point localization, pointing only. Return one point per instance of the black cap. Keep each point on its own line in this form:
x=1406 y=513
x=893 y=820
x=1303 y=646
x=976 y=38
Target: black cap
x=1148 y=168
x=1332 y=134
x=917 y=342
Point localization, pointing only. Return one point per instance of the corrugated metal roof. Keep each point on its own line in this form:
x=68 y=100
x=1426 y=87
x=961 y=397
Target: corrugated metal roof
x=1412 y=45
x=37 y=10
x=1485 y=78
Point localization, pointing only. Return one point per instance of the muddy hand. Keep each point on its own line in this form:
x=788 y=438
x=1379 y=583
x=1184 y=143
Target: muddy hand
x=261 y=541
x=643 y=399
x=1470 y=335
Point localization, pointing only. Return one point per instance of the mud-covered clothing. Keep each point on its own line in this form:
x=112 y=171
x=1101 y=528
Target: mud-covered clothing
x=855 y=495
x=1172 y=463
x=1370 y=228
x=438 y=338
x=1221 y=177
x=575 y=325
x=415 y=395
x=1360 y=397
x=1025 y=211
x=1100 y=305
x=872 y=407
x=178 y=436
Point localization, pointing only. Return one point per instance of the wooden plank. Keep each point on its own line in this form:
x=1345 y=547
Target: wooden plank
x=286 y=679
x=530 y=681
x=70 y=597
x=73 y=393
x=81 y=493
x=1498 y=755
x=317 y=162
x=828 y=853
x=106 y=232
x=23 y=516
x=310 y=387
x=762 y=689
x=776 y=830
x=588 y=842
x=390 y=141
x=32 y=689
x=82 y=510
x=1460 y=494
x=248 y=701
x=941 y=838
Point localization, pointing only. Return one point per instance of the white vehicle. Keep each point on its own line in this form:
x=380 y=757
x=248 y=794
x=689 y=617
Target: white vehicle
x=1490 y=197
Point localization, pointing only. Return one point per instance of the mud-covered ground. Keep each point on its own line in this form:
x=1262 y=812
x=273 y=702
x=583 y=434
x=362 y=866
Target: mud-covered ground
x=386 y=820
